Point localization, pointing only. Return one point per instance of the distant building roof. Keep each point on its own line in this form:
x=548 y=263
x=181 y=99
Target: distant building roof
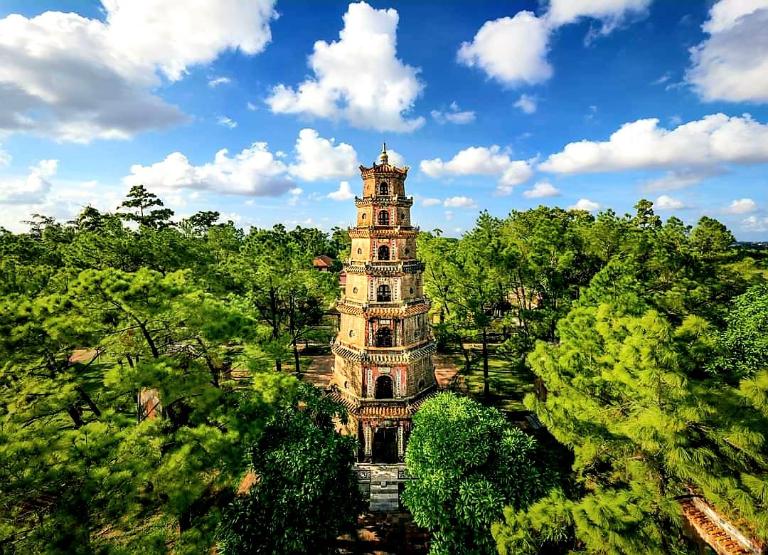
x=722 y=536
x=249 y=480
x=83 y=356
x=322 y=261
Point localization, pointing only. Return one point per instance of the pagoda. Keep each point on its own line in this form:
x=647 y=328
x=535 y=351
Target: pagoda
x=383 y=353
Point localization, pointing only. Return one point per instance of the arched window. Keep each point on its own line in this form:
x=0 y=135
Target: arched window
x=383 y=217
x=383 y=252
x=383 y=337
x=383 y=293
x=383 y=388
x=383 y=188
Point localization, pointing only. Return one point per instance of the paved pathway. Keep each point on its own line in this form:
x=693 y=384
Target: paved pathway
x=447 y=374
x=385 y=534
x=320 y=371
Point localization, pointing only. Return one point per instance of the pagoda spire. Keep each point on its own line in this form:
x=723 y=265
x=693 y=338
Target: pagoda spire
x=383 y=157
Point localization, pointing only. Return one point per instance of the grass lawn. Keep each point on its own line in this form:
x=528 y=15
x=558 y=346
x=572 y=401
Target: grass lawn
x=509 y=381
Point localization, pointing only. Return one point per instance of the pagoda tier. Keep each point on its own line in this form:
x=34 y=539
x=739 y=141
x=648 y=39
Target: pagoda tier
x=383 y=352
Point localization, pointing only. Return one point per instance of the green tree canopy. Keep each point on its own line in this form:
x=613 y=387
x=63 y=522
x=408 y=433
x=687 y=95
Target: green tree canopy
x=139 y=206
x=627 y=393
x=467 y=462
x=305 y=491
x=744 y=342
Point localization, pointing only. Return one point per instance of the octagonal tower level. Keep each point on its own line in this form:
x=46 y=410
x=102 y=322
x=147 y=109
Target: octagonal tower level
x=383 y=352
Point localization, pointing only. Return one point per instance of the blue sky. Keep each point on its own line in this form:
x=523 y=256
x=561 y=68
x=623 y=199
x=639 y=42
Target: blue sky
x=493 y=105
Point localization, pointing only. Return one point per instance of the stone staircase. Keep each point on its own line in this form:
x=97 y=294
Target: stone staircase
x=384 y=495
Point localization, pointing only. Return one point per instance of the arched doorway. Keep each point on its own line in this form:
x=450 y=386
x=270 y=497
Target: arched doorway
x=385 y=445
x=383 y=293
x=384 y=388
x=383 y=252
x=383 y=217
x=383 y=188
x=383 y=337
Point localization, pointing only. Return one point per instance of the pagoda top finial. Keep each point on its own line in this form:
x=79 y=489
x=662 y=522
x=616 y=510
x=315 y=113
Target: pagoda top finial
x=383 y=166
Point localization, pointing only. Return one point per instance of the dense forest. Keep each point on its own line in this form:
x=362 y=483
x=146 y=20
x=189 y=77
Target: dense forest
x=647 y=340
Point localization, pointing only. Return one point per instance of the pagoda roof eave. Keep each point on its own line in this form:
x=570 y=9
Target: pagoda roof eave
x=383 y=169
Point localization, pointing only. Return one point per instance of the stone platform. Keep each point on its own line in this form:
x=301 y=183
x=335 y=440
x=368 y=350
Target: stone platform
x=381 y=485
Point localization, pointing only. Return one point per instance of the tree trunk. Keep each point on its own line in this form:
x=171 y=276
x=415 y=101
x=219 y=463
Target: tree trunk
x=296 y=358
x=275 y=322
x=292 y=329
x=149 y=340
x=467 y=360
x=185 y=520
x=88 y=401
x=486 y=385
x=209 y=363
x=74 y=414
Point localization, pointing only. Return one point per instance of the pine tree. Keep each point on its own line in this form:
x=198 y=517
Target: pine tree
x=140 y=202
x=627 y=393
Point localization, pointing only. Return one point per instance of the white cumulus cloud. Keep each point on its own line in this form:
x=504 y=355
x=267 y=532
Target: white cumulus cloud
x=31 y=189
x=253 y=171
x=742 y=206
x=585 y=204
x=680 y=178
x=526 y=103
x=344 y=192
x=431 y=202
x=357 y=78
x=732 y=64
x=665 y=202
x=294 y=195
x=479 y=160
x=711 y=141
x=175 y=34
x=60 y=199
x=492 y=48
x=395 y=158
x=214 y=82
x=513 y=50
x=459 y=202
x=754 y=223
x=542 y=189
x=453 y=115
x=610 y=12
x=77 y=79
x=226 y=121
x=319 y=158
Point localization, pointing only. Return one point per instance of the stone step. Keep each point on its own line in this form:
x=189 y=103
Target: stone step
x=384 y=485
x=376 y=493
x=385 y=497
x=388 y=507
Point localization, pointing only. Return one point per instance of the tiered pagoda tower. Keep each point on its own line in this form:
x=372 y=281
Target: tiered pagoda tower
x=383 y=354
